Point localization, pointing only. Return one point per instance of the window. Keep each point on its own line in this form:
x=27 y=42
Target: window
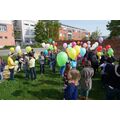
x=6 y=37
x=1 y=37
x=32 y=25
x=3 y=28
x=26 y=24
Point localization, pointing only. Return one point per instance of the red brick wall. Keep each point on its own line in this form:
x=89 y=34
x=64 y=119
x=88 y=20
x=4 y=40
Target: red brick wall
x=10 y=41
x=115 y=44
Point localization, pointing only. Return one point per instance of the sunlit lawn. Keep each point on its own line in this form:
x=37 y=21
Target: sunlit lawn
x=46 y=87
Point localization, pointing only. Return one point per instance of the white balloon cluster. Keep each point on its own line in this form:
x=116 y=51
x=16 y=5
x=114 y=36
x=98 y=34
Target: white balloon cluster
x=45 y=45
x=94 y=46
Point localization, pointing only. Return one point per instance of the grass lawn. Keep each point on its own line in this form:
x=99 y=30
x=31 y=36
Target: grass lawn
x=45 y=87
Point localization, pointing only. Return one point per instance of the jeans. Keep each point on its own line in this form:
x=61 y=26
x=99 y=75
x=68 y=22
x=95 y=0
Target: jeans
x=84 y=93
x=53 y=66
x=32 y=73
x=26 y=70
x=11 y=74
x=42 y=68
x=1 y=75
x=112 y=93
x=19 y=66
x=62 y=69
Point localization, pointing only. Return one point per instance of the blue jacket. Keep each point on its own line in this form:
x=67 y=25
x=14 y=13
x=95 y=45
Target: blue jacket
x=71 y=92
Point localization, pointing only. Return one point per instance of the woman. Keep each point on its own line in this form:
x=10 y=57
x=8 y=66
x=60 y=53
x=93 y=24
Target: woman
x=86 y=80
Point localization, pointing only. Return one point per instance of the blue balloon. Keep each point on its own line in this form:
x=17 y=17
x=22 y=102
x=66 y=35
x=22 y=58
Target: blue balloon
x=69 y=46
x=45 y=52
x=82 y=51
x=73 y=64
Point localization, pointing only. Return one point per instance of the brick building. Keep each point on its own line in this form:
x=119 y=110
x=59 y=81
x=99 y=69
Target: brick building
x=6 y=33
x=72 y=33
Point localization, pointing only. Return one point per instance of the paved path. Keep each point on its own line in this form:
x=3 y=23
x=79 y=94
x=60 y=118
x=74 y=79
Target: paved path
x=5 y=52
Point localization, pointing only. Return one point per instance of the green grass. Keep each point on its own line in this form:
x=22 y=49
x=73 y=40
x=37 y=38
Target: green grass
x=45 y=87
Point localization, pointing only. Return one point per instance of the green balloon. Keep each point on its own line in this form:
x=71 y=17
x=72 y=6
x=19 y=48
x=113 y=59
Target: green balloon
x=50 y=40
x=62 y=58
x=110 y=52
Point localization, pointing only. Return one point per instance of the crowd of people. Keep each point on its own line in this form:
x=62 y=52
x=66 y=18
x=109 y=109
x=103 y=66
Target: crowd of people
x=74 y=78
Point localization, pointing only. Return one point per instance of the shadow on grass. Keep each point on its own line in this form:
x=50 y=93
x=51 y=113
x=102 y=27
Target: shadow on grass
x=17 y=93
x=48 y=82
x=47 y=94
x=97 y=92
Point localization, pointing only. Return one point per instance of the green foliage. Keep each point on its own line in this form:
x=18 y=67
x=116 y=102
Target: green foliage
x=46 y=29
x=114 y=27
x=95 y=35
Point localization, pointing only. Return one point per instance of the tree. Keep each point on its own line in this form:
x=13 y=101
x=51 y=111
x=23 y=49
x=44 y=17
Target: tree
x=95 y=35
x=114 y=27
x=46 y=29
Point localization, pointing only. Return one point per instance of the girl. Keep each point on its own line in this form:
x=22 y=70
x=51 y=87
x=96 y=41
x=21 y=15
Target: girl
x=71 y=91
x=86 y=80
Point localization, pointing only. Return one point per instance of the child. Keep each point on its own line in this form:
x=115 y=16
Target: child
x=2 y=66
x=26 y=66
x=67 y=70
x=41 y=61
x=53 y=61
x=32 y=67
x=11 y=65
x=86 y=80
x=71 y=91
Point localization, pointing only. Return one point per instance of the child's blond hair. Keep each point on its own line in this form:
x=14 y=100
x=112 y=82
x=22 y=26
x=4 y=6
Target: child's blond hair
x=74 y=75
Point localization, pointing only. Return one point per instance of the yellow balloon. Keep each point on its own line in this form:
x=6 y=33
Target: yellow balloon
x=20 y=52
x=55 y=47
x=28 y=49
x=72 y=53
x=77 y=49
x=99 y=54
x=12 y=50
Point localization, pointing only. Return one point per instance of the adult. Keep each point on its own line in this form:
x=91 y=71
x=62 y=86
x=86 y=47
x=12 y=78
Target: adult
x=94 y=60
x=113 y=81
x=86 y=80
x=11 y=65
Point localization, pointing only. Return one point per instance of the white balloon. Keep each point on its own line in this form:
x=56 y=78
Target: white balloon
x=18 y=48
x=89 y=45
x=96 y=44
x=84 y=45
x=100 y=39
x=88 y=42
x=47 y=46
x=43 y=45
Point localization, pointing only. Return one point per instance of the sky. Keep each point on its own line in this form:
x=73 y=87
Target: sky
x=90 y=25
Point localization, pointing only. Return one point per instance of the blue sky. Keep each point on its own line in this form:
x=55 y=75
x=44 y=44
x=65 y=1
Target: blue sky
x=90 y=25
